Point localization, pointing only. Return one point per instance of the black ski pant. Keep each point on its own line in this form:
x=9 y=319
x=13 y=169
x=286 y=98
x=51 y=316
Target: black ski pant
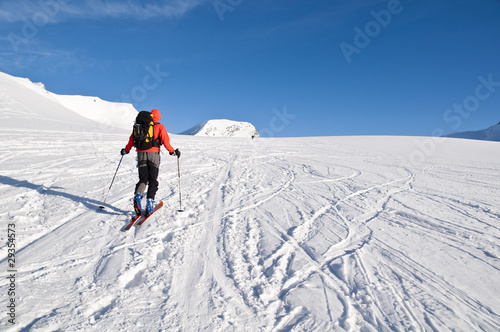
x=148 y=164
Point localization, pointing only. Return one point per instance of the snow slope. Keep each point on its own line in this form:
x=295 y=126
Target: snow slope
x=223 y=128
x=119 y=115
x=490 y=134
x=278 y=234
x=30 y=103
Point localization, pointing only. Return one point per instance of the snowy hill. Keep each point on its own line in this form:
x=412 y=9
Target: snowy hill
x=30 y=103
x=490 y=134
x=119 y=115
x=223 y=128
x=278 y=234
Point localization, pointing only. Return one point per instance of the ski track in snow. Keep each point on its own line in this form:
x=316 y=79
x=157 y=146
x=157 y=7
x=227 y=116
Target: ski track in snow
x=277 y=235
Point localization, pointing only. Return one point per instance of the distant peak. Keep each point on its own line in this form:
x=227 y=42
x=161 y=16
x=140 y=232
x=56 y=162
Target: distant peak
x=223 y=128
x=489 y=134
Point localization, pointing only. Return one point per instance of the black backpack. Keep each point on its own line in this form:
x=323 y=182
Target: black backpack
x=144 y=132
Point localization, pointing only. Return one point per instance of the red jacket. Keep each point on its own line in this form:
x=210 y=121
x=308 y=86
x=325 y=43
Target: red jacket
x=159 y=133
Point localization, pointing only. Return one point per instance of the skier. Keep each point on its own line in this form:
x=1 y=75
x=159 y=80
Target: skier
x=148 y=163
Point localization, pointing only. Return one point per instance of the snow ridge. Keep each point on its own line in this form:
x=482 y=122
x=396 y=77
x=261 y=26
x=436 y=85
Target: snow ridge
x=490 y=134
x=36 y=107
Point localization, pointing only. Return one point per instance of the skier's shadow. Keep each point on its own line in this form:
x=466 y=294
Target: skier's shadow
x=89 y=203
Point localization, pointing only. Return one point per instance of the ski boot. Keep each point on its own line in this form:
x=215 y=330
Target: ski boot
x=150 y=207
x=137 y=204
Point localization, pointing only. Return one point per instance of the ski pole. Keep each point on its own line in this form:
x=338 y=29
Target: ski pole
x=102 y=206
x=180 y=195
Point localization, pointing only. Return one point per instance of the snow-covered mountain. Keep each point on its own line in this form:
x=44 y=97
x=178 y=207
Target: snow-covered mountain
x=36 y=107
x=223 y=128
x=278 y=234
x=490 y=134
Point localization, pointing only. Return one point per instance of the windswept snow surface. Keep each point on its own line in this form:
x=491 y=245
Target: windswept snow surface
x=278 y=234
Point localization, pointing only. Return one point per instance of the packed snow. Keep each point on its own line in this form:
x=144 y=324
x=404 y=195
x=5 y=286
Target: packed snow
x=223 y=128
x=490 y=134
x=277 y=234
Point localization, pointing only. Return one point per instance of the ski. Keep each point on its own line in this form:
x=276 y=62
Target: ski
x=131 y=223
x=141 y=221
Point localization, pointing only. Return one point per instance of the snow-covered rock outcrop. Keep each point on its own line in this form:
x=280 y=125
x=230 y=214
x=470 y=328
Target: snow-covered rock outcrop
x=223 y=128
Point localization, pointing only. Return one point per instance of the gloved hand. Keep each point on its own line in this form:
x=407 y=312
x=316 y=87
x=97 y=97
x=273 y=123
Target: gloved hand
x=124 y=152
x=176 y=153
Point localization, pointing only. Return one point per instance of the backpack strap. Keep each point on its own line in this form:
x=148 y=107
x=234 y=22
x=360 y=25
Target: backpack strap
x=157 y=141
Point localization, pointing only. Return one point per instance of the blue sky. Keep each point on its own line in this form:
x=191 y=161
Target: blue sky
x=292 y=68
